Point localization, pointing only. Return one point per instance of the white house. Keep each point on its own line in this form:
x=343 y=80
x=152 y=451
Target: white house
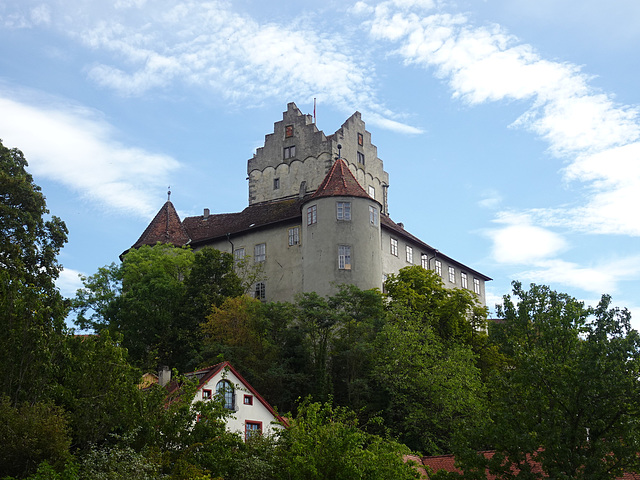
x=251 y=413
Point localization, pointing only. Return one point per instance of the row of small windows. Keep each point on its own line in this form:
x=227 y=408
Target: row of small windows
x=393 y=245
x=343 y=212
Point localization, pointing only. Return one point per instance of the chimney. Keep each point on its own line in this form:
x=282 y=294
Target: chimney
x=164 y=375
x=206 y=213
x=401 y=225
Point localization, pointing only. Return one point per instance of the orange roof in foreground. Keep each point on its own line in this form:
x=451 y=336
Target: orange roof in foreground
x=340 y=182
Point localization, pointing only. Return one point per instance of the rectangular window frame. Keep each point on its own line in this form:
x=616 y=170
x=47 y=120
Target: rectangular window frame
x=452 y=274
x=373 y=216
x=312 y=215
x=239 y=254
x=361 y=158
x=438 y=268
x=259 y=253
x=463 y=280
x=276 y=183
x=248 y=400
x=394 y=246
x=288 y=131
x=294 y=236
x=344 y=257
x=360 y=139
x=207 y=394
x=249 y=429
x=476 y=286
x=409 y=254
x=289 y=152
x=424 y=261
x=343 y=211
x=260 y=291
x=372 y=191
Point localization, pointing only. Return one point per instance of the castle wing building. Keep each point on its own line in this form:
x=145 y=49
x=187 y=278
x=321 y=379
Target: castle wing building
x=317 y=217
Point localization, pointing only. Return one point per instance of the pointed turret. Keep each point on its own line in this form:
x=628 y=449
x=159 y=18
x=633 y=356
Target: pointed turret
x=340 y=182
x=165 y=227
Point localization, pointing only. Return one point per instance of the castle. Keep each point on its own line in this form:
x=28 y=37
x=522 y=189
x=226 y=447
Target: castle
x=317 y=217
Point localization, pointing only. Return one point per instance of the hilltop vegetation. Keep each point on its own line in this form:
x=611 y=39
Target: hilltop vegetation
x=364 y=377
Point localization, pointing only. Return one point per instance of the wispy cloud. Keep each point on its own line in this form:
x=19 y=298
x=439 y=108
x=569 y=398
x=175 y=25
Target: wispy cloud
x=144 y=46
x=74 y=146
x=69 y=282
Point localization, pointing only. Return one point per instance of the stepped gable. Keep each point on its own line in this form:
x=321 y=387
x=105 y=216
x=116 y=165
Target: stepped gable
x=206 y=228
x=165 y=227
x=340 y=182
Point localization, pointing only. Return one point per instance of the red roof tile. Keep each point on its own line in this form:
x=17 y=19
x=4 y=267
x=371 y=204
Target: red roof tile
x=165 y=227
x=340 y=182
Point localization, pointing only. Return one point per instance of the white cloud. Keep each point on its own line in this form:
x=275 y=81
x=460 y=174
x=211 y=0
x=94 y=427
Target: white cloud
x=519 y=242
x=71 y=145
x=594 y=135
x=69 y=282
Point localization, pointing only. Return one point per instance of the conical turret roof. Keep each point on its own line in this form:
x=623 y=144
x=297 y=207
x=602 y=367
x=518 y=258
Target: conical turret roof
x=165 y=227
x=340 y=182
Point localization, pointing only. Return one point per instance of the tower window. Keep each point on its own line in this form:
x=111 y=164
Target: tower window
x=344 y=257
x=361 y=158
x=360 y=139
x=312 y=215
x=276 y=183
x=373 y=215
x=372 y=191
x=343 y=210
x=288 y=131
x=289 y=152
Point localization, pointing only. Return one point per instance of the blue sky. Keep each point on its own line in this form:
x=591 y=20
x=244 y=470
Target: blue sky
x=509 y=128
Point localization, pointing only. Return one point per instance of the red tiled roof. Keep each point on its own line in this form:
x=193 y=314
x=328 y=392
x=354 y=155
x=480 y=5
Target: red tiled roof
x=447 y=463
x=165 y=227
x=340 y=182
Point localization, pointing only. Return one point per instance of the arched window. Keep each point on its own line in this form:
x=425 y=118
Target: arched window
x=225 y=391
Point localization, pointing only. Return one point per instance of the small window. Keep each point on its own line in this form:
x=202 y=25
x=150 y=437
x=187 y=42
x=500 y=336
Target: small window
x=206 y=394
x=463 y=280
x=288 y=131
x=409 y=254
x=289 y=152
x=373 y=215
x=344 y=257
x=424 y=261
x=372 y=191
x=361 y=158
x=252 y=429
x=260 y=291
x=248 y=399
x=343 y=210
x=238 y=254
x=452 y=275
x=394 y=247
x=312 y=215
x=360 y=139
x=226 y=393
x=476 y=286
x=294 y=236
x=260 y=253
x=439 y=268
x=276 y=183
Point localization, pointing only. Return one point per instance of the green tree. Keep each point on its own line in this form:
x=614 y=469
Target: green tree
x=32 y=433
x=156 y=298
x=326 y=442
x=570 y=398
x=32 y=310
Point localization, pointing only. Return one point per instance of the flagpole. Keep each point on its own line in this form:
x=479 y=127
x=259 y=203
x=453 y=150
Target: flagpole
x=314 y=110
